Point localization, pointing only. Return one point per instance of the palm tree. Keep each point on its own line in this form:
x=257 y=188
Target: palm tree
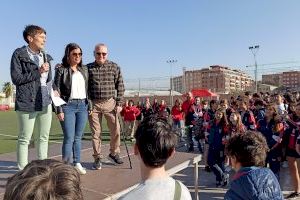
x=7 y=89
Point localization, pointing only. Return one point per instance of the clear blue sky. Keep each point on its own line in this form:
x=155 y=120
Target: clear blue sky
x=142 y=35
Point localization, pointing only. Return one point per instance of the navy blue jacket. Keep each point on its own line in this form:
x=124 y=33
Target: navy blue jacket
x=254 y=183
x=26 y=76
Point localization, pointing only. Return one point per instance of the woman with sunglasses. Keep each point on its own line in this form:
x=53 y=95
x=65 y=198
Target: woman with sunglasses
x=71 y=82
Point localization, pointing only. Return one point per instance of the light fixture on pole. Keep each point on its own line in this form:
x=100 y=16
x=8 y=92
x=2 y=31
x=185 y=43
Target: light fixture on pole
x=171 y=62
x=254 y=50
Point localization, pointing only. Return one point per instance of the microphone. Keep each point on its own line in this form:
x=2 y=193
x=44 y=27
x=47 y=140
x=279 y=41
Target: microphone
x=44 y=55
x=45 y=59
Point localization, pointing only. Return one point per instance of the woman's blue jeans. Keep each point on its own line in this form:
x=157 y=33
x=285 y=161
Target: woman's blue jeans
x=75 y=118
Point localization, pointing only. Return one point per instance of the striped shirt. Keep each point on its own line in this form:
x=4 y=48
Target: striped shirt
x=105 y=82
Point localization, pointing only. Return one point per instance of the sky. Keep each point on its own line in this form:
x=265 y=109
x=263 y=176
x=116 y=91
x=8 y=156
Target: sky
x=143 y=35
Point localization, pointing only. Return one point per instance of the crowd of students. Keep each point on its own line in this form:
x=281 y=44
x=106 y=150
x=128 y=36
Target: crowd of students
x=210 y=124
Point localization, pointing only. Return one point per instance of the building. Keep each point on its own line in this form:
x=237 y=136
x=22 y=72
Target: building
x=289 y=79
x=141 y=95
x=261 y=87
x=272 y=79
x=218 y=79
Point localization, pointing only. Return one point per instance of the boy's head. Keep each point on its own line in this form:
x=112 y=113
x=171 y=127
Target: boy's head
x=246 y=150
x=44 y=179
x=155 y=141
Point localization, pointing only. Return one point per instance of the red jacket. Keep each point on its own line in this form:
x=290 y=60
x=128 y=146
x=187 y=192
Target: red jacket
x=130 y=113
x=177 y=113
x=186 y=105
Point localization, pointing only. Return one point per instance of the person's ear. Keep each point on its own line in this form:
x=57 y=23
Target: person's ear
x=136 y=150
x=172 y=153
x=29 y=38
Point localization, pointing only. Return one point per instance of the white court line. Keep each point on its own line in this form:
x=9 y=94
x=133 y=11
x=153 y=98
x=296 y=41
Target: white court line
x=13 y=136
x=8 y=135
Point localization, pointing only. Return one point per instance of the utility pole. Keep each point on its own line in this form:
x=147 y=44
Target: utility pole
x=171 y=62
x=254 y=50
x=183 y=81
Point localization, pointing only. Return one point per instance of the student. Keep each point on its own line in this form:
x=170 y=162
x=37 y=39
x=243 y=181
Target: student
x=247 y=153
x=155 y=144
x=163 y=110
x=130 y=112
x=236 y=124
x=30 y=71
x=193 y=116
x=216 y=155
x=272 y=129
x=147 y=110
x=247 y=115
x=43 y=180
x=177 y=117
x=293 y=156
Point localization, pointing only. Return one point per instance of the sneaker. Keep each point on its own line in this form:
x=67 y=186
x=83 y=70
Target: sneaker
x=132 y=139
x=293 y=195
x=218 y=184
x=127 y=138
x=97 y=164
x=116 y=158
x=285 y=164
x=225 y=179
x=80 y=169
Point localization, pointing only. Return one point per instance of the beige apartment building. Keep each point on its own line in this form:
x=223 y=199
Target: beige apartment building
x=218 y=79
x=272 y=79
x=290 y=79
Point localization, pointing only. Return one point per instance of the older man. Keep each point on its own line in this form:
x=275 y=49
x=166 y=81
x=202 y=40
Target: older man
x=106 y=90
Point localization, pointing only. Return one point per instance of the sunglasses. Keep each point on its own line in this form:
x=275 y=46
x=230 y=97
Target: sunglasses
x=101 y=53
x=76 y=54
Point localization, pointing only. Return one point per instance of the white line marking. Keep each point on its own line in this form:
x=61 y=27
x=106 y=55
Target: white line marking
x=9 y=135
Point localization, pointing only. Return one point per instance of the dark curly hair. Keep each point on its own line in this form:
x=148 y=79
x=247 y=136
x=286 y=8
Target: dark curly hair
x=249 y=149
x=155 y=141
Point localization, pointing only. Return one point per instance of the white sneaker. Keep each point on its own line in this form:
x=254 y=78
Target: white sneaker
x=285 y=164
x=80 y=169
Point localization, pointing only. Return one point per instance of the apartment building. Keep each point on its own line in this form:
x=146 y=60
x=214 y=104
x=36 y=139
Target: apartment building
x=219 y=79
x=272 y=79
x=290 y=79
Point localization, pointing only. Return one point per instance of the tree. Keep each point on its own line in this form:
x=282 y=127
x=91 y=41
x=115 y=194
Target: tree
x=7 y=89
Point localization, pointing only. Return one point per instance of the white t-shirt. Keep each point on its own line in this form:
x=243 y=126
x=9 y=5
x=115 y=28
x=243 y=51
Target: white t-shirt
x=156 y=189
x=78 y=86
x=281 y=108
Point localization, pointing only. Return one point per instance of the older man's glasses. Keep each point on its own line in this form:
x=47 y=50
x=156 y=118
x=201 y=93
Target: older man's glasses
x=101 y=53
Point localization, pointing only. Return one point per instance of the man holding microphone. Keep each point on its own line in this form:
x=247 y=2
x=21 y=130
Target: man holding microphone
x=31 y=73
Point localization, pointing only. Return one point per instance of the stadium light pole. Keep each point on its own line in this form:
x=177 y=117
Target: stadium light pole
x=171 y=62
x=254 y=50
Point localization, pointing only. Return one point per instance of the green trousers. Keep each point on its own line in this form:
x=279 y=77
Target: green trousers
x=26 y=126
